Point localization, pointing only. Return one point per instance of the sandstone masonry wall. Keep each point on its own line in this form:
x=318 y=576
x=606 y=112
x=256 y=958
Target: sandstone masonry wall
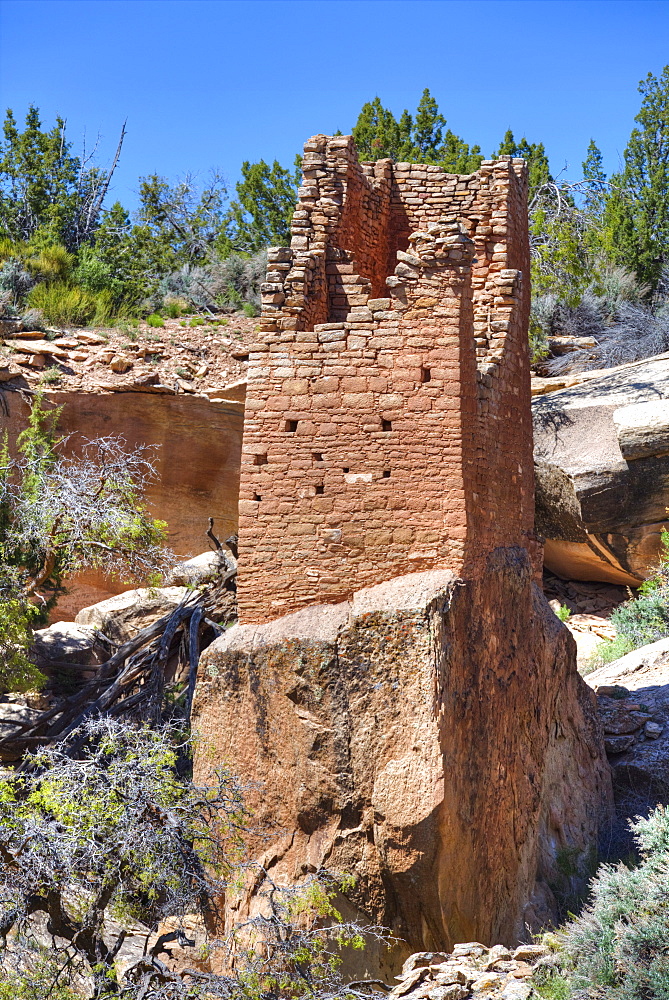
x=387 y=431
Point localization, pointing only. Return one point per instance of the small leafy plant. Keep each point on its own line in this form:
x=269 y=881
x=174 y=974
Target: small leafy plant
x=643 y=619
x=51 y=376
x=155 y=320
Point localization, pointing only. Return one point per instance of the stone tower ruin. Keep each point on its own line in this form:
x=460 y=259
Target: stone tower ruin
x=398 y=697
x=387 y=425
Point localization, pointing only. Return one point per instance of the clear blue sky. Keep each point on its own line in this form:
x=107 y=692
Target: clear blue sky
x=213 y=82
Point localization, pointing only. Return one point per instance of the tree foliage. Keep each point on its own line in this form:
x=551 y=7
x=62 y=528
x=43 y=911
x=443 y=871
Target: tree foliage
x=124 y=260
x=45 y=190
x=637 y=211
x=421 y=138
x=184 y=219
x=107 y=838
x=534 y=155
x=262 y=212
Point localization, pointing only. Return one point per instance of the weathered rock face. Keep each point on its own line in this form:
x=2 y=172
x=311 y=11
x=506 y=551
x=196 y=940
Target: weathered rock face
x=68 y=645
x=430 y=737
x=120 y=618
x=197 y=461
x=633 y=694
x=602 y=473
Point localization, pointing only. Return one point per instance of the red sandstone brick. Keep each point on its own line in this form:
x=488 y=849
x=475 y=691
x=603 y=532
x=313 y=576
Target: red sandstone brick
x=437 y=458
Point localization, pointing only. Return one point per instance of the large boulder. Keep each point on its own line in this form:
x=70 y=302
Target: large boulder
x=431 y=737
x=601 y=453
x=204 y=568
x=120 y=618
x=68 y=645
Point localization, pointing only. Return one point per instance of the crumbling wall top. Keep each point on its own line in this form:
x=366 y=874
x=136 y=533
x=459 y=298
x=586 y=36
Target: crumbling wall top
x=388 y=416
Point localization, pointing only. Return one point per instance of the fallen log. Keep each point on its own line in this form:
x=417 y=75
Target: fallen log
x=132 y=682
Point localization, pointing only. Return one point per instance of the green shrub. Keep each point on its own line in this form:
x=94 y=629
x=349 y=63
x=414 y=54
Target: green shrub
x=41 y=983
x=51 y=376
x=618 y=947
x=563 y=613
x=551 y=985
x=155 y=320
x=126 y=325
x=638 y=622
x=174 y=307
x=64 y=304
x=608 y=651
x=17 y=673
x=644 y=619
x=641 y=620
x=51 y=263
x=249 y=309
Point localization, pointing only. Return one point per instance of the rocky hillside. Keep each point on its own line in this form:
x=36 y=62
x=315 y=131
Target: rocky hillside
x=193 y=354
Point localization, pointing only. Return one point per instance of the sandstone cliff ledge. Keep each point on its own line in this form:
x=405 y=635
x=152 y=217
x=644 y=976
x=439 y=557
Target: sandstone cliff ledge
x=430 y=736
x=197 y=455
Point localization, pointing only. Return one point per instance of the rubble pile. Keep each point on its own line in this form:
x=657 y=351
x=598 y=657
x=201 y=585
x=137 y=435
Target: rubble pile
x=187 y=355
x=470 y=970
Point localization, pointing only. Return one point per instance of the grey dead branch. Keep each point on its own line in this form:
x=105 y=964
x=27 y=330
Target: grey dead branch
x=155 y=669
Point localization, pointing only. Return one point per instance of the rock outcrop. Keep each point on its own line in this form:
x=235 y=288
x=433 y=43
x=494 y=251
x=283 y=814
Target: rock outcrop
x=202 y=568
x=120 y=618
x=197 y=457
x=441 y=757
x=602 y=473
x=66 y=645
x=633 y=695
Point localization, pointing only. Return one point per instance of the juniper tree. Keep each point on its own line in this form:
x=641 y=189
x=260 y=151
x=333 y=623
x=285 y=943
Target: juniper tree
x=184 y=219
x=64 y=512
x=413 y=139
x=45 y=188
x=96 y=842
x=534 y=155
x=262 y=212
x=637 y=212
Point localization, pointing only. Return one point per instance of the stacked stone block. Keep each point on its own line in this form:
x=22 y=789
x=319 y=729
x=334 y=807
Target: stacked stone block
x=388 y=424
